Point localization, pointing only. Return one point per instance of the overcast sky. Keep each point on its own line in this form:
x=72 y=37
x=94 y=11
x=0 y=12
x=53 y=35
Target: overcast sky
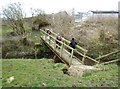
x=53 y=6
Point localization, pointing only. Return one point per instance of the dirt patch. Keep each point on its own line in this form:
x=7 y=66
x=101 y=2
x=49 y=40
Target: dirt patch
x=73 y=71
x=79 y=70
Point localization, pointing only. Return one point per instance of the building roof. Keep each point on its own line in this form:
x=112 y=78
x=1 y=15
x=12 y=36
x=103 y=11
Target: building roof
x=105 y=12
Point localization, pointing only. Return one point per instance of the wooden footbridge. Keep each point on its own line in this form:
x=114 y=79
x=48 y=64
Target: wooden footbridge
x=78 y=56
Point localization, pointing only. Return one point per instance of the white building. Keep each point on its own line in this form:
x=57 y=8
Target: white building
x=82 y=16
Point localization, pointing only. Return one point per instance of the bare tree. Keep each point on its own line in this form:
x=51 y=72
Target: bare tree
x=14 y=15
x=37 y=12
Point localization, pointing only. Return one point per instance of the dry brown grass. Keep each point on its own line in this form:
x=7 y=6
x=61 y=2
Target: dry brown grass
x=93 y=34
x=102 y=34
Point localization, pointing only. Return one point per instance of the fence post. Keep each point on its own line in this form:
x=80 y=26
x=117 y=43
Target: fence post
x=45 y=36
x=61 y=50
x=98 y=61
x=49 y=39
x=55 y=44
x=83 y=59
x=71 y=57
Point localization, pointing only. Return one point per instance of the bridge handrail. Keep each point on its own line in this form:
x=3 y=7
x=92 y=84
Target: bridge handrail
x=63 y=44
x=73 y=50
x=86 y=56
x=103 y=56
x=58 y=40
x=77 y=46
x=111 y=61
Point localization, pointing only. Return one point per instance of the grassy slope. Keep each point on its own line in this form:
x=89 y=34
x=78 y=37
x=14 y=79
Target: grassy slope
x=0 y=73
x=37 y=73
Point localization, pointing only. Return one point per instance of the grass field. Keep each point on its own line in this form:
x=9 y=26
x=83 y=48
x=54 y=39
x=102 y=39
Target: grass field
x=0 y=73
x=5 y=30
x=45 y=73
x=0 y=31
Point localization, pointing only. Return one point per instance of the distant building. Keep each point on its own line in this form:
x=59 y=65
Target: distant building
x=105 y=13
x=82 y=16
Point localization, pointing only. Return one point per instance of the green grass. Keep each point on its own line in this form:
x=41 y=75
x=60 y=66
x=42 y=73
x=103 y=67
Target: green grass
x=0 y=31
x=0 y=73
x=34 y=73
x=108 y=77
x=34 y=36
x=6 y=30
x=43 y=72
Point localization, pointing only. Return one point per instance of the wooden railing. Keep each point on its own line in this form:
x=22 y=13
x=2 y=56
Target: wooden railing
x=64 y=48
x=78 y=49
x=106 y=55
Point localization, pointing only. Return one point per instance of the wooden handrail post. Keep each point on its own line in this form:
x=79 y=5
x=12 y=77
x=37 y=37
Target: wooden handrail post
x=83 y=59
x=49 y=39
x=98 y=61
x=61 y=49
x=55 y=43
x=71 y=57
x=45 y=36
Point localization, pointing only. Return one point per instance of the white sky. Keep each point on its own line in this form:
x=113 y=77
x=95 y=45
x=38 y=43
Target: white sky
x=53 y=6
